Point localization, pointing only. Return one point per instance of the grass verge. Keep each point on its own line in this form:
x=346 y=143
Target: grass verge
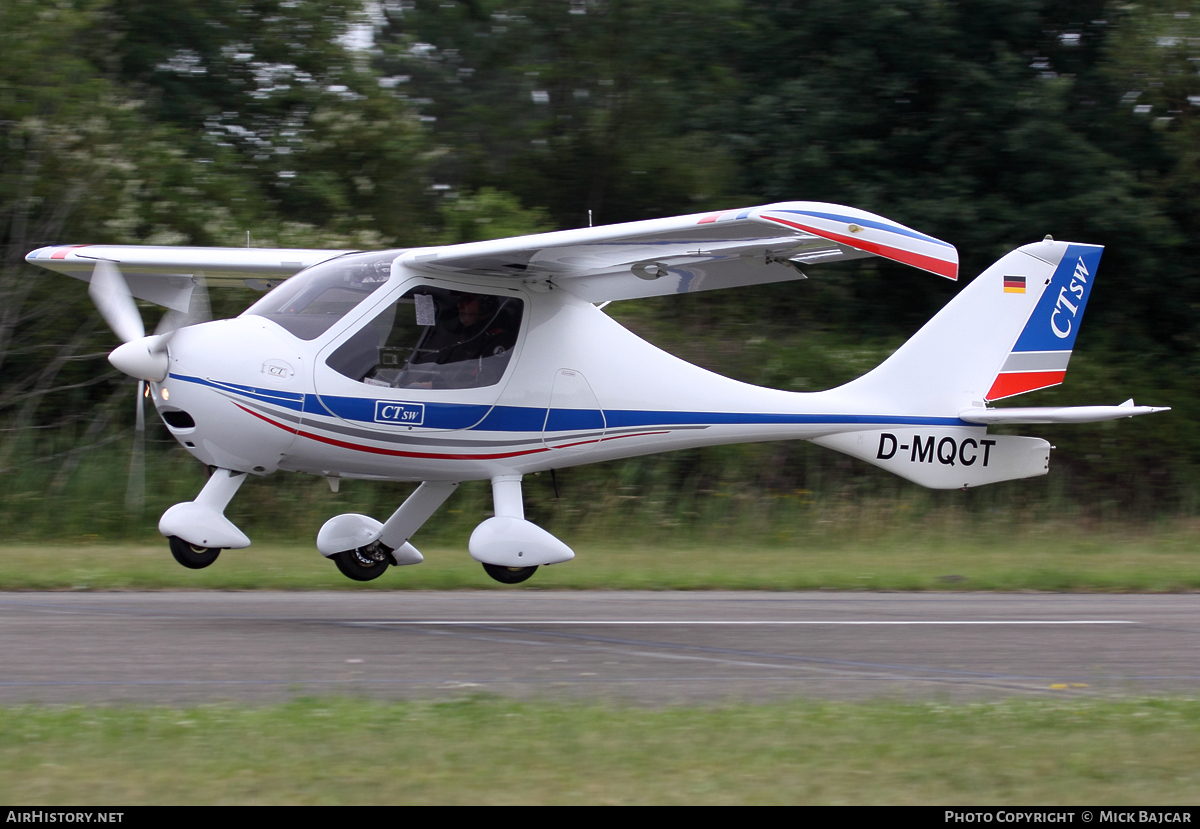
x=1041 y=556
x=496 y=751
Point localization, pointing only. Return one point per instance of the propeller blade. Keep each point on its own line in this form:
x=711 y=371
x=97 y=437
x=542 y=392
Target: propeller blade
x=171 y=322
x=199 y=310
x=111 y=295
x=140 y=419
x=135 y=488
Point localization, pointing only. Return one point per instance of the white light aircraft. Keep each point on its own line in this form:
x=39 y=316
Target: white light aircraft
x=493 y=360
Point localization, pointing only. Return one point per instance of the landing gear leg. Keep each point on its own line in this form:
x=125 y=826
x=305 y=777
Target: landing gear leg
x=362 y=548
x=506 y=495
x=509 y=547
x=198 y=530
x=414 y=512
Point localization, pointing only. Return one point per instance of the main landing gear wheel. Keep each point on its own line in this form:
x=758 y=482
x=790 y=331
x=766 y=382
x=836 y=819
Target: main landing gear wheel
x=192 y=556
x=361 y=564
x=509 y=575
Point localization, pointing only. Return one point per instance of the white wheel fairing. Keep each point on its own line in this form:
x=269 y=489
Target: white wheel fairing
x=513 y=542
x=347 y=532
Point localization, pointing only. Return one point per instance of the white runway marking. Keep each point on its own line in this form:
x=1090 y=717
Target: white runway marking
x=748 y=622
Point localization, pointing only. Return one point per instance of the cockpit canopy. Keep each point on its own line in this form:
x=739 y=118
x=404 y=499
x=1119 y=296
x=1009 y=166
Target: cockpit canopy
x=313 y=300
x=434 y=338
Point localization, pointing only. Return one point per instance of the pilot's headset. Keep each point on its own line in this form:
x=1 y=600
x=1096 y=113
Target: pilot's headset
x=488 y=306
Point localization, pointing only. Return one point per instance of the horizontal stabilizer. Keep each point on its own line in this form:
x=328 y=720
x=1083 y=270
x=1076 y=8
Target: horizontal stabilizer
x=946 y=458
x=1058 y=414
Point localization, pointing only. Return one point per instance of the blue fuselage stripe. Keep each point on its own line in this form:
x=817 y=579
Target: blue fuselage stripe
x=483 y=418
x=287 y=399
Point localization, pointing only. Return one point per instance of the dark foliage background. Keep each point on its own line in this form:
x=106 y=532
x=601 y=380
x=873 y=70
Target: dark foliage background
x=365 y=125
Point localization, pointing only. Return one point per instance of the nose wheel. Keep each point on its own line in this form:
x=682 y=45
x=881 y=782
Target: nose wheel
x=363 y=564
x=509 y=575
x=192 y=556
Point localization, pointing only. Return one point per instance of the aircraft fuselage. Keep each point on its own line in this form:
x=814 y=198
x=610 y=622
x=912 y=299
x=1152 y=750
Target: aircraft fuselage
x=577 y=388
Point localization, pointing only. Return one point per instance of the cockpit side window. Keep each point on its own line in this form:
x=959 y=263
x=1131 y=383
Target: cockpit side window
x=312 y=301
x=433 y=338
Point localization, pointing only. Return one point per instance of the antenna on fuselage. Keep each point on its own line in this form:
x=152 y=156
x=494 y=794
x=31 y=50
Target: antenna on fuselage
x=589 y=217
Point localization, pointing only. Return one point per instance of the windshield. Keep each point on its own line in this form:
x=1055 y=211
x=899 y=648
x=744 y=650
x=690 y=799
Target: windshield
x=313 y=300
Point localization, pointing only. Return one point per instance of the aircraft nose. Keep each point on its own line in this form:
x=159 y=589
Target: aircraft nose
x=233 y=394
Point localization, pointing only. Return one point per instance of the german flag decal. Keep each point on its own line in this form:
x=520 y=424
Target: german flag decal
x=1014 y=284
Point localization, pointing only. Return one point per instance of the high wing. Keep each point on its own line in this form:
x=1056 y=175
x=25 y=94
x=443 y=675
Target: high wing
x=165 y=275
x=683 y=254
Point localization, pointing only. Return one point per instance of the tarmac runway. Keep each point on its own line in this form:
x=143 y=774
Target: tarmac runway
x=639 y=647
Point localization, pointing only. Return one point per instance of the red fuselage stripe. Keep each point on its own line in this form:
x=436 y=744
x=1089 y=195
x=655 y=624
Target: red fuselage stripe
x=434 y=455
x=610 y=437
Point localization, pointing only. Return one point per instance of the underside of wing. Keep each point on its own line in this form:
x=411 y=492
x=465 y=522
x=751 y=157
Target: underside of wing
x=165 y=275
x=684 y=254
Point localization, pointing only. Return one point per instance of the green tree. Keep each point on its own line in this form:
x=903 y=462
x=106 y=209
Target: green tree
x=105 y=139
x=488 y=214
x=273 y=83
x=572 y=106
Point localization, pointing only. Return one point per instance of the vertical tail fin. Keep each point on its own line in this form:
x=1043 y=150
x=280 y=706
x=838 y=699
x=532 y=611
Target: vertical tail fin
x=1040 y=355
x=1010 y=331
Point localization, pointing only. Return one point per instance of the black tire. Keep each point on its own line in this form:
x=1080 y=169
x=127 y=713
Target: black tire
x=192 y=556
x=360 y=566
x=509 y=575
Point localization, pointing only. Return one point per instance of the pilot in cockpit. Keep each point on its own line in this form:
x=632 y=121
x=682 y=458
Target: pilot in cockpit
x=465 y=342
x=465 y=334
x=455 y=341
